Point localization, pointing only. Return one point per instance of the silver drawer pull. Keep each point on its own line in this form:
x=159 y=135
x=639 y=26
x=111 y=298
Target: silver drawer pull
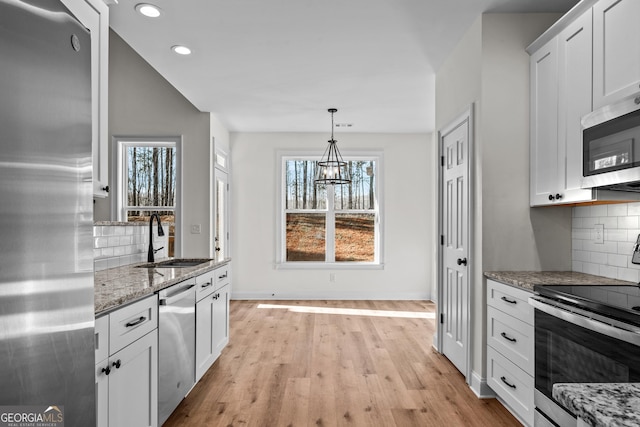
x=504 y=380
x=136 y=322
x=222 y=277
x=206 y=285
x=507 y=337
x=510 y=301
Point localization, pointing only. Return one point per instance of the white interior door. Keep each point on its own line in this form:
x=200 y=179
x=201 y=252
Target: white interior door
x=454 y=303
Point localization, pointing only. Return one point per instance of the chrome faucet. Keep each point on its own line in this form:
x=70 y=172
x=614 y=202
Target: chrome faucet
x=150 y=257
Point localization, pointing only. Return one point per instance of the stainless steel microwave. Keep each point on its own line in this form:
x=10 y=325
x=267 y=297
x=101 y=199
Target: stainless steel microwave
x=611 y=146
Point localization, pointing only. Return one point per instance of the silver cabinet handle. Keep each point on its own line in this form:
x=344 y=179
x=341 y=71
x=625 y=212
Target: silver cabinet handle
x=176 y=297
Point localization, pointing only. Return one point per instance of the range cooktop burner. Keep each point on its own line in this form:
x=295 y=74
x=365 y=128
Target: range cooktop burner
x=620 y=302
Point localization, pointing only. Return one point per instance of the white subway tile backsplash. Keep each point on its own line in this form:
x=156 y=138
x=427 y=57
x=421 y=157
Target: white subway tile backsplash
x=615 y=235
x=633 y=208
x=617 y=260
x=598 y=210
x=617 y=210
x=629 y=274
x=628 y=222
x=118 y=245
x=591 y=268
x=612 y=258
x=608 y=271
x=610 y=222
x=581 y=211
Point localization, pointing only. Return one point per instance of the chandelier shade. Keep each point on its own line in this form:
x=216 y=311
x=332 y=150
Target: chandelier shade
x=332 y=169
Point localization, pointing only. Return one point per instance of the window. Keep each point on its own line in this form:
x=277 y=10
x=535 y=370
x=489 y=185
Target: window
x=329 y=225
x=147 y=182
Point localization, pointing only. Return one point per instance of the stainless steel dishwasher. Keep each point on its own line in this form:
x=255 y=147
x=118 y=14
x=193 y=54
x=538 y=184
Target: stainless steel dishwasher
x=176 y=346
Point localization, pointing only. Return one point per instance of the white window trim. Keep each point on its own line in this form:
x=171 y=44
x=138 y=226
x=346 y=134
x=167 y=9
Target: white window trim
x=118 y=144
x=280 y=261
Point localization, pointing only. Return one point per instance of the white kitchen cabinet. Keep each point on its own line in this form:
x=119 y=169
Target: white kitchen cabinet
x=221 y=318
x=133 y=384
x=212 y=317
x=127 y=380
x=510 y=348
x=544 y=180
x=574 y=101
x=560 y=96
x=94 y=14
x=616 y=50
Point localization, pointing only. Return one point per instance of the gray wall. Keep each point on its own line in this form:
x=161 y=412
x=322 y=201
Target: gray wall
x=143 y=103
x=490 y=68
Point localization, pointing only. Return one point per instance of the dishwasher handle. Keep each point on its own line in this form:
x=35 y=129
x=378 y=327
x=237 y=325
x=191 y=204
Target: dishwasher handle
x=177 y=296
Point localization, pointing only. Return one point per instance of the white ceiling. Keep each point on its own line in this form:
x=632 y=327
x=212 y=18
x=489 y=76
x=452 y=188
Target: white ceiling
x=277 y=65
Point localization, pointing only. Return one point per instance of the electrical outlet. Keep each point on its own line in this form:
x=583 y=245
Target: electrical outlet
x=598 y=234
x=332 y=277
x=195 y=229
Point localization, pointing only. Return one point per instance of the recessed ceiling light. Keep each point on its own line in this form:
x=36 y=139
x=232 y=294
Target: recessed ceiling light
x=181 y=50
x=148 y=10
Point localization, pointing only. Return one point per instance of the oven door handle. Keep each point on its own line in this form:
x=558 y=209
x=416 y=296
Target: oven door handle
x=556 y=310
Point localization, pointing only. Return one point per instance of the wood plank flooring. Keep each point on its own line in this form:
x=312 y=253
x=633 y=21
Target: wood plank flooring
x=334 y=363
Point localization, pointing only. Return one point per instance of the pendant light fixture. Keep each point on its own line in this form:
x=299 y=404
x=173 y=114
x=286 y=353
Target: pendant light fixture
x=331 y=168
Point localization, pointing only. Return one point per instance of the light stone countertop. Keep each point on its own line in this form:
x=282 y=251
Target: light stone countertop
x=527 y=279
x=601 y=405
x=118 y=286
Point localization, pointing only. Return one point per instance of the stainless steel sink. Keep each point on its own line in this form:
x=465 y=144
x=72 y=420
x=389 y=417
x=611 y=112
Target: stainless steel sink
x=176 y=263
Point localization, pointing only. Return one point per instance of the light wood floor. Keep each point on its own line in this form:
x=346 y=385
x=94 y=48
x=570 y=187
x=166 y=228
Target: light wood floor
x=334 y=363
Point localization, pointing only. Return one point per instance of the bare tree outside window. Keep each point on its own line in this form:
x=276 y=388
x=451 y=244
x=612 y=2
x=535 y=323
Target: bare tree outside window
x=151 y=183
x=347 y=212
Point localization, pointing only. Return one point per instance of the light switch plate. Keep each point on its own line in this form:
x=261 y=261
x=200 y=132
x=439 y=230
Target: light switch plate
x=598 y=233
x=195 y=229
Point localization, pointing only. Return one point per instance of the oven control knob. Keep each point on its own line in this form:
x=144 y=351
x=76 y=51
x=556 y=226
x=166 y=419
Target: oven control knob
x=551 y=197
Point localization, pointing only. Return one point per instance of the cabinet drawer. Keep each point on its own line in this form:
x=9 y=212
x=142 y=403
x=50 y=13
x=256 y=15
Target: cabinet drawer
x=512 y=384
x=102 y=338
x=132 y=322
x=510 y=300
x=222 y=276
x=205 y=284
x=511 y=337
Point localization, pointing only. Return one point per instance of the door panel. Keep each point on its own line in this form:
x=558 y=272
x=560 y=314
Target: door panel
x=455 y=220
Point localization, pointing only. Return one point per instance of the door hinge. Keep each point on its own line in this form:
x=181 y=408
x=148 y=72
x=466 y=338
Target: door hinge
x=442 y=239
x=442 y=318
x=441 y=160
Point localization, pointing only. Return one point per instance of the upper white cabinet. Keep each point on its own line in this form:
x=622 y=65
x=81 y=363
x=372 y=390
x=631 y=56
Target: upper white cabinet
x=544 y=124
x=616 y=50
x=571 y=75
x=94 y=14
x=560 y=96
x=574 y=101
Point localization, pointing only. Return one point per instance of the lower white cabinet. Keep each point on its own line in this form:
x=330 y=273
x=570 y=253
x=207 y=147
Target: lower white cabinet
x=212 y=317
x=127 y=379
x=510 y=348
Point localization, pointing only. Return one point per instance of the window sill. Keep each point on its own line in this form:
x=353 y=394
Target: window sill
x=329 y=266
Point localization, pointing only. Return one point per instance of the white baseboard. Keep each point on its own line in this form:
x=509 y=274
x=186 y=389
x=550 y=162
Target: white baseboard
x=330 y=295
x=480 y=387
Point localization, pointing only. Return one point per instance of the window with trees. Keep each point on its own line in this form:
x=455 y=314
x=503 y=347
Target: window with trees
x=147 y=183
x=330 y=224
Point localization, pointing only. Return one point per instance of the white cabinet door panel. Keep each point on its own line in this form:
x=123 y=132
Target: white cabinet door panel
x=616 y=50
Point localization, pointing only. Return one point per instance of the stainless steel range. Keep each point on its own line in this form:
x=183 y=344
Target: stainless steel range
x=583 y=334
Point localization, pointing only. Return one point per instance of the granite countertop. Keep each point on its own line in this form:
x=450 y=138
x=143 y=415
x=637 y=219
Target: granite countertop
x=527 y=279
x=601 y=405
x=115 y=287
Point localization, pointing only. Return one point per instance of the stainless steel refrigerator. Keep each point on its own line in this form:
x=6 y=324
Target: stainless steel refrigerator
x=46 y=215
